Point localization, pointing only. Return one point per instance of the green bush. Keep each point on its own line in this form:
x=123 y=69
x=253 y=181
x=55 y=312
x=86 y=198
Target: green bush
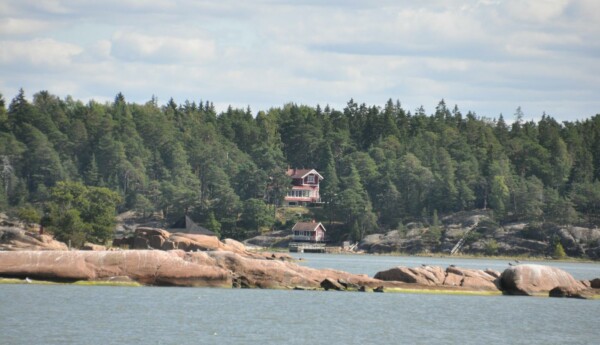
x=29 y=214
x=559 y=251
x=491 y=247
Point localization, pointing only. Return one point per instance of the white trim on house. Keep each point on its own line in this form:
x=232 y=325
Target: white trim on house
x=313 y=171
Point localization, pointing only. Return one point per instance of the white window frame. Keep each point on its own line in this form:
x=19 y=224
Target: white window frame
x=299 y=194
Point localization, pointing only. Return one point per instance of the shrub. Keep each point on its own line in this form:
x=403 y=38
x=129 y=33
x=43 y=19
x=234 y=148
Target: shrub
x=29 y=215
x=491 y=247
x=559 y=251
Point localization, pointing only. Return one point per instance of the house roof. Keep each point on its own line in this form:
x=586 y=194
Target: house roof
x=302 y=173
x=187 y=225
x=307 y=226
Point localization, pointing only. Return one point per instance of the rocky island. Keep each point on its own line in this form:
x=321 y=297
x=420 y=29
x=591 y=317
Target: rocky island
x=205 y=261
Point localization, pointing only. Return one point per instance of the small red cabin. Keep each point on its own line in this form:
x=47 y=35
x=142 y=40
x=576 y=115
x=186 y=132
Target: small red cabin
x=308 y=232
x=305 y=187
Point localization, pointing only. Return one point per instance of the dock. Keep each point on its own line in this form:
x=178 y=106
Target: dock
x=307 y=247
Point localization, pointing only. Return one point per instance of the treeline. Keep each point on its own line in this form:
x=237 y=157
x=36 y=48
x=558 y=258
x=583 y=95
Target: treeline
x=383 y=166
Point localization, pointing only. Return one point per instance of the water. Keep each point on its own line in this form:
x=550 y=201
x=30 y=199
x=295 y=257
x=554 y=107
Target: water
x=67 y=314
x=371 y=264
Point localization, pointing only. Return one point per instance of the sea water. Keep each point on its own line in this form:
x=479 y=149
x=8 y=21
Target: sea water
x=69 y=314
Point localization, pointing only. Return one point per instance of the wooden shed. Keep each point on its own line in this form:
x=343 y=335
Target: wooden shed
x=308 y=232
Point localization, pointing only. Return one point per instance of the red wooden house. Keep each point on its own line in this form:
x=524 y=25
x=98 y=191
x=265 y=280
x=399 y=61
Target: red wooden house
x=308 y=232
x=305 y=187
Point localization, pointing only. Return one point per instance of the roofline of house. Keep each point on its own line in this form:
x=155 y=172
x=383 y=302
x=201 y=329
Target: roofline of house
x=311 y=170
x=316 y=225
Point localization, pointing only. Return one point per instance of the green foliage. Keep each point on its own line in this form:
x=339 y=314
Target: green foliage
x=499 y=194
x=434 y=233
x=383 y=166
x=78 y=213
x=29 y=214
x=213 y=225
x=586 y=197
x=355 y=232
x=559 y=251
x=473 y=236
x=257 y=215
x=491 y=247
x=143 y=205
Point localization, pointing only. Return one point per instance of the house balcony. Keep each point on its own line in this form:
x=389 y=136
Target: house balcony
x=305 y=201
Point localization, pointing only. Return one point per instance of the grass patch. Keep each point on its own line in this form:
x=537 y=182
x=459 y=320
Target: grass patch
x=444 y=292
x=80 y=282
x=23 y=281
x=106 y=283
x=288 y=213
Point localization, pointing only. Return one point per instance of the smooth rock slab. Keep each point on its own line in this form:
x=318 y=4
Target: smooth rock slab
x=425 y=275
x=452 y=277
x=255 y=272
x=149 y=267
x=15 y=239
x=174 y=268
x=532 y=279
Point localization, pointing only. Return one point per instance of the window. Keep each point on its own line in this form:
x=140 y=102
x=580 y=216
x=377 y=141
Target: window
x=299 y=194
x=310 y=179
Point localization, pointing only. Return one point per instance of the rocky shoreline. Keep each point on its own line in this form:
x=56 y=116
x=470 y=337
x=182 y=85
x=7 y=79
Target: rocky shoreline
x=226 y=269
x=204 y=261
x=481 y=235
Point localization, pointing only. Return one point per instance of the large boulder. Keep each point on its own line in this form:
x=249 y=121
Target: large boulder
x=532 y=279
x=424 y=275
x=156 y=238
x=472 y=279
x=570 y=292
x=330 y=284
x=570 y=244
x=194 y=242
x=452 y=277
x=150 y=267
x=12 y=239
x=584 y=240
x=150 y=238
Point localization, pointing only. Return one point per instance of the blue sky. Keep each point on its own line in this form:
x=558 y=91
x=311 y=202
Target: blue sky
x=486 y=56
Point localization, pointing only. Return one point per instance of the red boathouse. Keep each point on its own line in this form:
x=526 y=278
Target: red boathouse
x=308 y=232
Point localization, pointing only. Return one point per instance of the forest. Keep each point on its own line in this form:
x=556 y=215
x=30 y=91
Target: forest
x=73 y=165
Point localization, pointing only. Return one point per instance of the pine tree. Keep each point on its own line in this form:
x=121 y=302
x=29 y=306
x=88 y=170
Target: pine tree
x=91 y=174
x=213 y=225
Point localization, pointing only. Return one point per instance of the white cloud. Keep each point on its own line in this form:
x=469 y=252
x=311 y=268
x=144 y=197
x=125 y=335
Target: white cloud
x=160 y=49
x=41 y=52
x=488 y=56
x=539 y=11
x=17 y=26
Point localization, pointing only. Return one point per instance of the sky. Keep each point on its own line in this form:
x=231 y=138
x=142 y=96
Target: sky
x=486 y=56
